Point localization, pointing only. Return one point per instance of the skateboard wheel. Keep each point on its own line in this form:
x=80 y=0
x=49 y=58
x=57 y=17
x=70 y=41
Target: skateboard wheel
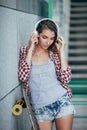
x=17 y=110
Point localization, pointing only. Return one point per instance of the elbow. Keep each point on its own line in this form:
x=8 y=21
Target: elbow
x=67 y=79
x=22 y=76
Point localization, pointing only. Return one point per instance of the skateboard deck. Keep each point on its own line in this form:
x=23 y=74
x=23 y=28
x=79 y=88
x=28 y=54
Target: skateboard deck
x=30 y=112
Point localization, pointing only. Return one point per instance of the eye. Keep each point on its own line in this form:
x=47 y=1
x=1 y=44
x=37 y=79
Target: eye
x=52 y=38
x=44 y=37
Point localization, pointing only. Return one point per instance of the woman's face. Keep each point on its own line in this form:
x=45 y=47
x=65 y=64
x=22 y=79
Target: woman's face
x=46 y=38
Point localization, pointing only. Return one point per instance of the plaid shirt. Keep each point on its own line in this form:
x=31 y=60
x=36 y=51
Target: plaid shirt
x=64 y=76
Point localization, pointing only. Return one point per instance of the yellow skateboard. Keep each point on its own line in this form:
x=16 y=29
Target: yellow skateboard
x=17 y=110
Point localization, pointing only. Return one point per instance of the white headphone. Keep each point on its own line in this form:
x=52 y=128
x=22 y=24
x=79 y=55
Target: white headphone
x=43 y=20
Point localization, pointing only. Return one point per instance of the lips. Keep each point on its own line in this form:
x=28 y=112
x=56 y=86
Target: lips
x=45 y=47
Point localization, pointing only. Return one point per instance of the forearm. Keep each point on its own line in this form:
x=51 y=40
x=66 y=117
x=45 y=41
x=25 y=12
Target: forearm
x=31 y=47
x=29 y=56
x=65 y=69
x=64 y=63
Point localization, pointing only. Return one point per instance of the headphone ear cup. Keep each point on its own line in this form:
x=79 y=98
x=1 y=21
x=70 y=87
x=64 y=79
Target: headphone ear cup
x=36 y=27
x=35 y=32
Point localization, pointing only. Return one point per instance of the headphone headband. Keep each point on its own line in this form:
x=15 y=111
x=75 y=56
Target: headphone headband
x=43 y=20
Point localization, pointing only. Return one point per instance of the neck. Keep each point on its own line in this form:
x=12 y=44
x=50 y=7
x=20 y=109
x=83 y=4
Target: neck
x=41 y=50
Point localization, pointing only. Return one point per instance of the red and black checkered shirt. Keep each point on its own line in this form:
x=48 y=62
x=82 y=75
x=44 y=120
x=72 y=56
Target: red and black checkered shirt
x=64 y=76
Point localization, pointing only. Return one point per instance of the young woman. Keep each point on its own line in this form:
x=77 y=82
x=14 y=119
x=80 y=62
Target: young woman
x=44 y=70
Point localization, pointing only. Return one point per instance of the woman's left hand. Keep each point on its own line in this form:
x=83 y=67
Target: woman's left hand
x=60 y=44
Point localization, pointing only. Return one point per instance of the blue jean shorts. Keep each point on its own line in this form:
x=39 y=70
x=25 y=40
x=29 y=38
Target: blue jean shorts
x=61 y=107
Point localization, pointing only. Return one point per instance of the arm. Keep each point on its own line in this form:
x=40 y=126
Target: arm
x=63 y=69
x=64 y=76
x=24 y=67
x=26 y=58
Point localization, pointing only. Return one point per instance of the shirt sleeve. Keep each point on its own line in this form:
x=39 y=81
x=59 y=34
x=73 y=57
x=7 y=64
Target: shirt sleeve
x=24 y=69
x=65 y=75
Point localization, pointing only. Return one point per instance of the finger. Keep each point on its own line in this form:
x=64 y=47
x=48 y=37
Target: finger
x=33 y=37
x=59 y=41
x=34 y=33
x=60 y=38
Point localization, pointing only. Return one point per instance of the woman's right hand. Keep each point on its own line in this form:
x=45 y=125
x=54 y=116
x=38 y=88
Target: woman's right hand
x=32 y=43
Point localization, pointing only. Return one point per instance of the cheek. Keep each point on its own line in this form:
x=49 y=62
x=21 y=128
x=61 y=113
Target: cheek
x=51 y=42
x=41 y=41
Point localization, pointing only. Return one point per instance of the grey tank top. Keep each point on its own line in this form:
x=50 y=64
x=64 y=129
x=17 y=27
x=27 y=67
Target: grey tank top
x=44 y=86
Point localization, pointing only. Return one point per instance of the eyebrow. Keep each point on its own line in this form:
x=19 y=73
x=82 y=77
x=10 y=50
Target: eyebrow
x=47 y=36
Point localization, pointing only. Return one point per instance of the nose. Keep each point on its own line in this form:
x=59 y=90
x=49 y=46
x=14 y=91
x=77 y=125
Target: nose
x=48 y=42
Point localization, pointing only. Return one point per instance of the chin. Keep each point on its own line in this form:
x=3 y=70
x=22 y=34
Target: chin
x=45 y=48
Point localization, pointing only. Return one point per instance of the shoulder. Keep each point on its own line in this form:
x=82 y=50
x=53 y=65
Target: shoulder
x=54 y=54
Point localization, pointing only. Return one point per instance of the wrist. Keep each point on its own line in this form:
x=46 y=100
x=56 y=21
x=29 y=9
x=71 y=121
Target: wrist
x=61 y=53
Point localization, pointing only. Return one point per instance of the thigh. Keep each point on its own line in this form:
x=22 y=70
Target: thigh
x=45 y=125
x=64 y=123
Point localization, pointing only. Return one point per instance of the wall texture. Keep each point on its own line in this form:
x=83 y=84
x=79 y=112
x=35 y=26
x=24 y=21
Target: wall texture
x=15 y=28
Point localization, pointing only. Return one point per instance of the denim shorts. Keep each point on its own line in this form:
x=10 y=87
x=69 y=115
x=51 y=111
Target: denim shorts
x=62 y=107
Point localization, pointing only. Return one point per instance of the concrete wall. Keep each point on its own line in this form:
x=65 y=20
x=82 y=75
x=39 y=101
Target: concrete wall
x=15 y=28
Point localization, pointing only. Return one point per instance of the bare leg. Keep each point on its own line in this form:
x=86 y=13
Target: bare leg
x=64 y=123
x=45 y=125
